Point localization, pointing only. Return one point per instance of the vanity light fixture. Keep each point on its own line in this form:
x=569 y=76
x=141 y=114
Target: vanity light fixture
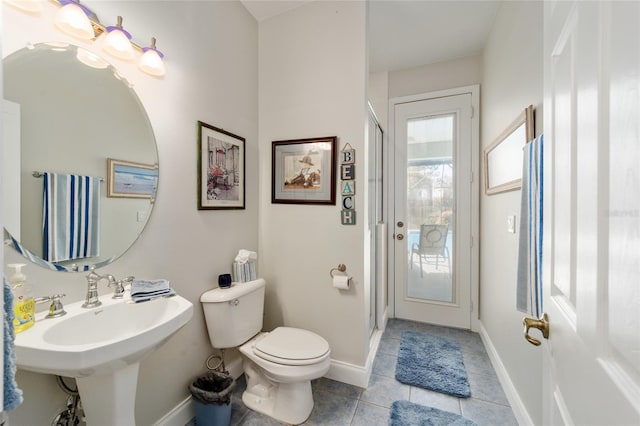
x=73 y=19
x=151 y=60
x=118 y=42
x=78 y=21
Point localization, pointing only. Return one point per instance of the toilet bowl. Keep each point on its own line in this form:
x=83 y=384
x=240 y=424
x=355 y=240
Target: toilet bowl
x=278 y=365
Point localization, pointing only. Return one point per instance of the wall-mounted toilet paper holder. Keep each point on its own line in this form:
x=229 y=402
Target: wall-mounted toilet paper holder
x=341 y=267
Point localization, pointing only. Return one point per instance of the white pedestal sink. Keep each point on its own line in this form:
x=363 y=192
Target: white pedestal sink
x=102 y=347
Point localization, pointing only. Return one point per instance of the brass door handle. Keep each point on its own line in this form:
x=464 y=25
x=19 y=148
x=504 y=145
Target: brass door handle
x=541 y=324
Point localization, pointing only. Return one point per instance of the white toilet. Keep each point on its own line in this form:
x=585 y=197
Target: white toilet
x=278 y=365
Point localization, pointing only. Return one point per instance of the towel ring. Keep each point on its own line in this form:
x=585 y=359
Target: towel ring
x=341 y=267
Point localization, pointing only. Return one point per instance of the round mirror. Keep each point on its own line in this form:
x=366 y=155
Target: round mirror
x=80 y=160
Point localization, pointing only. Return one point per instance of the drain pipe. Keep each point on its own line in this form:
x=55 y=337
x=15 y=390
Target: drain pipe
x=68 y=416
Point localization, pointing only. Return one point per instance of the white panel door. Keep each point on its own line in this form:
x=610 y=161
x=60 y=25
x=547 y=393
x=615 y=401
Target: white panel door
x=592 y=213
x=433 y=210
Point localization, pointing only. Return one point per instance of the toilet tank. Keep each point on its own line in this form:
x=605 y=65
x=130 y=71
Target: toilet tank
x=234 y=315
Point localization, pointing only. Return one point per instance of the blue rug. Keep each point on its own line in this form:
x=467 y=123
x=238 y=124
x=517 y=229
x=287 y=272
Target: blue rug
x=405 y=413
x=432 y=362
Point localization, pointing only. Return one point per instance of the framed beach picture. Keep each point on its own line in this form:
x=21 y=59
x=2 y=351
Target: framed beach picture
x=126 y=179
x=303 y=171
x=221 y=169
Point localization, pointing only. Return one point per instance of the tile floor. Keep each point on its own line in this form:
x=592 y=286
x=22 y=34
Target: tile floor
x=340 y=404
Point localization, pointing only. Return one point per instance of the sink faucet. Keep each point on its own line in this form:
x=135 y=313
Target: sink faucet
x=92 y=288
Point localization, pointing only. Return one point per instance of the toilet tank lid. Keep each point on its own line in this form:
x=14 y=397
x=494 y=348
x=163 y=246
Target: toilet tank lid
x=219 y=295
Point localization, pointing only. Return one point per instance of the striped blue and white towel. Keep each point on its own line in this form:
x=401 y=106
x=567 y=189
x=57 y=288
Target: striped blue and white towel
x=529 y=283
x=71 y=217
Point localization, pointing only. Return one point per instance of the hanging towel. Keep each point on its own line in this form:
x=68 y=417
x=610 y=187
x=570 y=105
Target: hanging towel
x=529 y=284
x=71 y=217
x=12 y=397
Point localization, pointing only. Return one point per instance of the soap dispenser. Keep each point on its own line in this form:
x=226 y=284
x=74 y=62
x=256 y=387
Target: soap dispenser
x=24 y=305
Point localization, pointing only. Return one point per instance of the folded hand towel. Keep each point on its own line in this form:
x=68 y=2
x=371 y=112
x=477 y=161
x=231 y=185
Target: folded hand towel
x=145 y=297
x=12 y=395
x=146 y=287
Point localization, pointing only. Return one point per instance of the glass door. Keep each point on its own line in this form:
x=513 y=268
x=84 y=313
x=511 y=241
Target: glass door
x=433 y=210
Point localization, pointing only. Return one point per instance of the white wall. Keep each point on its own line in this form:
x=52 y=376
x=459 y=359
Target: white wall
x=211 y=53
x=512 y=79
x=313 y=83
x=430 y=78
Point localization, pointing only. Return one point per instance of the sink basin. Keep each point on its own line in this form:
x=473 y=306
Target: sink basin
x=100 y=340
x=102 y=348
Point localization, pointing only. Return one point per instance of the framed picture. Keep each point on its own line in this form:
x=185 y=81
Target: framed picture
x=503 y=158
x=303 y=171
x=221 y=169
x=127 y=179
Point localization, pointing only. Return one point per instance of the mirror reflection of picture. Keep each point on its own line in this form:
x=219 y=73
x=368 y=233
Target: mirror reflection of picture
x=131 y=180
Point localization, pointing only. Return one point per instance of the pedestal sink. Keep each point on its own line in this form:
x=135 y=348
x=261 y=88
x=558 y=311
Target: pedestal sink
x=102 y=347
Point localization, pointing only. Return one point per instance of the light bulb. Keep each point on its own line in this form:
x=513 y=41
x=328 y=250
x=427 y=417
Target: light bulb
x=117 y=42
x=151 y=61
x=71 y=19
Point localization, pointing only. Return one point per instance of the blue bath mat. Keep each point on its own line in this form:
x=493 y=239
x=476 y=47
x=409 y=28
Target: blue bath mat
x=432 y=362
x=405 y=413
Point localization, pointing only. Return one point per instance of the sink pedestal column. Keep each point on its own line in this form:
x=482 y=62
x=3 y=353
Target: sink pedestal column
x=109 y=399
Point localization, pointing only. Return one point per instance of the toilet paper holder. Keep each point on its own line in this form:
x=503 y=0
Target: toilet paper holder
x=341 y=267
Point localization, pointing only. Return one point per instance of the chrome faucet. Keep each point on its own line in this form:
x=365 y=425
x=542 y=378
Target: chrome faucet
x=92 y=288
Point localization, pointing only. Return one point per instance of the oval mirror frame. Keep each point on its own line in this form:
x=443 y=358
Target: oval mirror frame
x=76 y=116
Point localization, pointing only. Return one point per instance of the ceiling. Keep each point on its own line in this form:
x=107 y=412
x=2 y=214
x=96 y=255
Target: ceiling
x=405 y=34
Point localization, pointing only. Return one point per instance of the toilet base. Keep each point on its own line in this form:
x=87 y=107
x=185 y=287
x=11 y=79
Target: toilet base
x=289 y=403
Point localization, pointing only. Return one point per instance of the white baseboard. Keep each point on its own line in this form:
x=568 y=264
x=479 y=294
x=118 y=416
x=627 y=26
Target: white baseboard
x=356 y=375
x=518 y=407
x=181 y=414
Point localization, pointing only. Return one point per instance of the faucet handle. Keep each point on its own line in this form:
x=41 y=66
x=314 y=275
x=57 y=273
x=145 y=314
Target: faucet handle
x=118 y=293
x=55 y=309
x=92 y=277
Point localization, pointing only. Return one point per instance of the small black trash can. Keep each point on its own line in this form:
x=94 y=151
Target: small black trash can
x=212 y=395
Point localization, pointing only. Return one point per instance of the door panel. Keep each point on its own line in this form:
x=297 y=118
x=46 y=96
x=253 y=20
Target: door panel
x=433 y=210
x=592 y=225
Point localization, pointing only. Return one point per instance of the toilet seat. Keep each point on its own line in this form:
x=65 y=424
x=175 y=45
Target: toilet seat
x=292 y=346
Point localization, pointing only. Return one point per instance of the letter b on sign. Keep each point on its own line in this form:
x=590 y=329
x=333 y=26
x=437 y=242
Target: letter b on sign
x=348 y=156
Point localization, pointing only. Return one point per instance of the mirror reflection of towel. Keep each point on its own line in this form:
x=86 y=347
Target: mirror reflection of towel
x=71 y=217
